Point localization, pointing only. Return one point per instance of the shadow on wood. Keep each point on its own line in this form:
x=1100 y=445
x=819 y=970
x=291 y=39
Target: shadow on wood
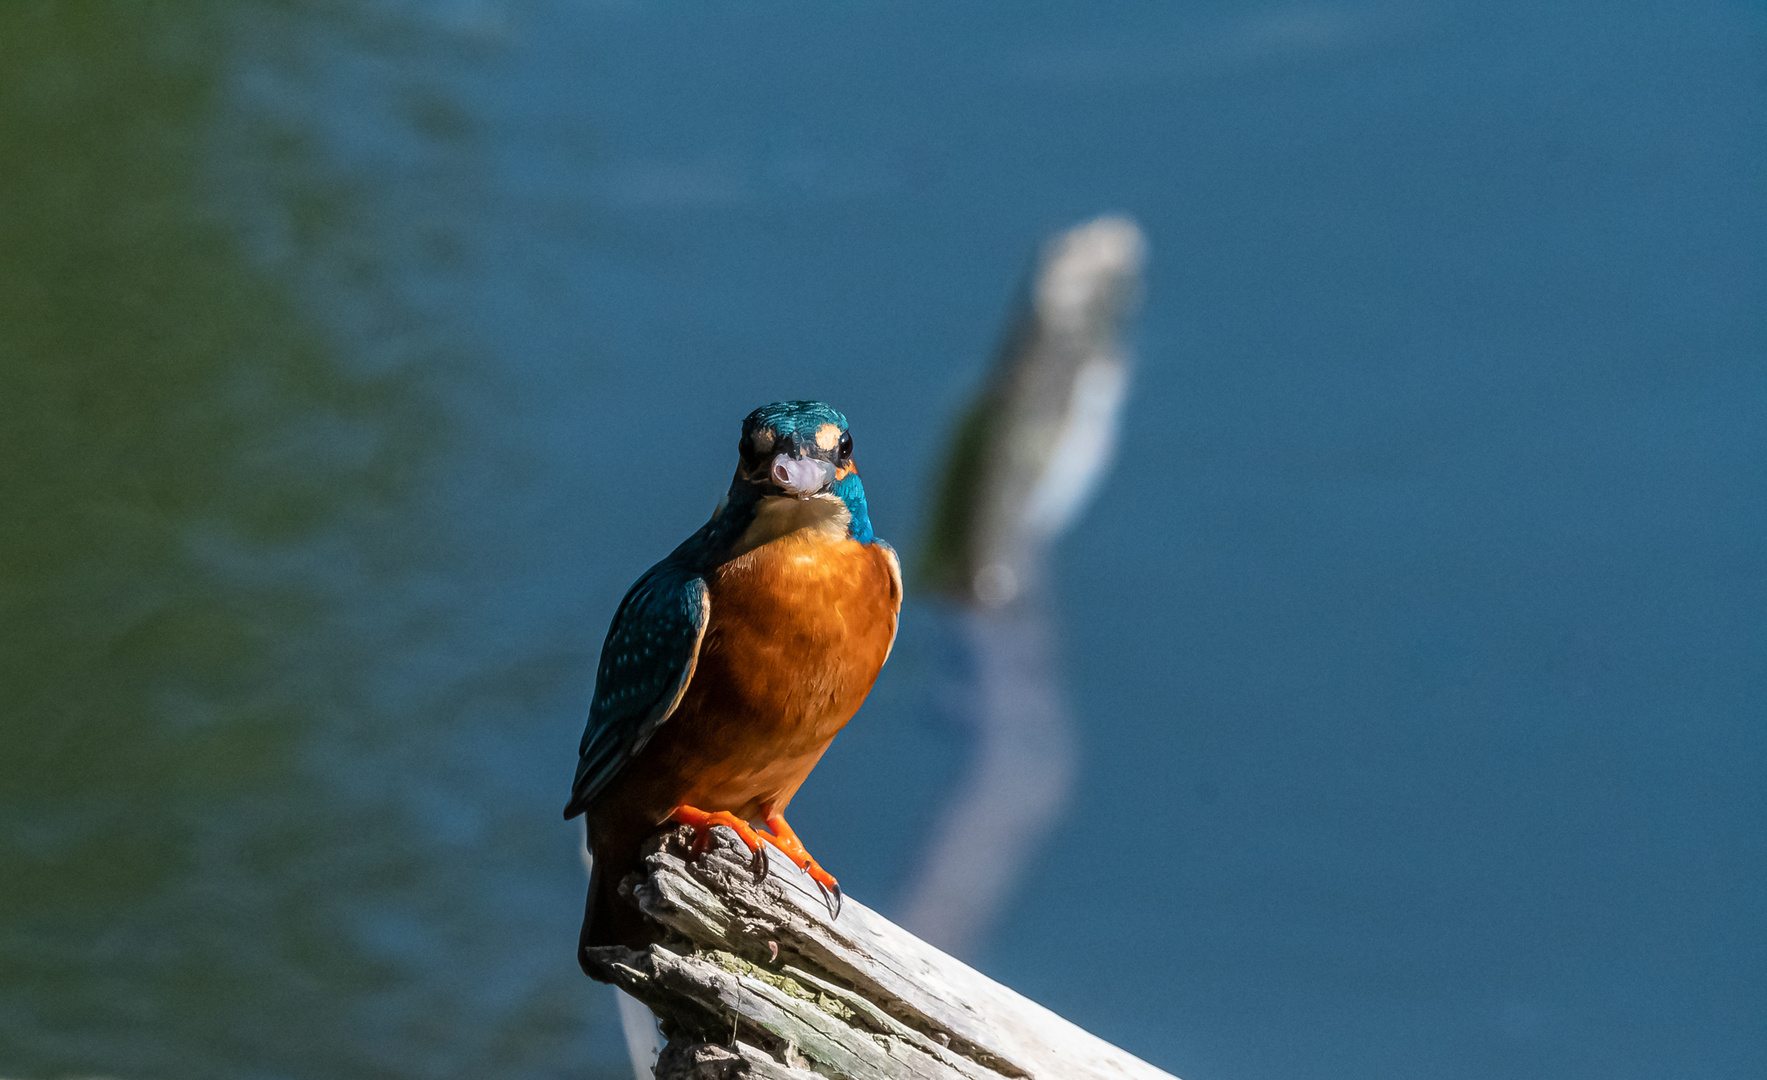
x=756 y=980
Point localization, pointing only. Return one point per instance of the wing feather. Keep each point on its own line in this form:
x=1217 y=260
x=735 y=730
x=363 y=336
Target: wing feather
x=646 y=664
x=894 y=565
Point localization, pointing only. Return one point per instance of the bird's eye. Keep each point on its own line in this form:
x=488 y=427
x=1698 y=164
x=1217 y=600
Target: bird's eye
x=846 y=445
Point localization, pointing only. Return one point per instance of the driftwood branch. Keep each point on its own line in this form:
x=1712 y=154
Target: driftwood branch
x=756 y=980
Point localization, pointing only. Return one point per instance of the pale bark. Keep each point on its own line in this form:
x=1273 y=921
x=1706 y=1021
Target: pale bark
x=757 y=980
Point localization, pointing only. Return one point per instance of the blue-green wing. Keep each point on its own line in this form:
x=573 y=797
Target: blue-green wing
x=646 y=663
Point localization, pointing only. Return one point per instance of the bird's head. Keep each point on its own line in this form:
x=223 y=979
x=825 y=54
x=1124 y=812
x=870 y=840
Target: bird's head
x=802 y=450
x=795 y=448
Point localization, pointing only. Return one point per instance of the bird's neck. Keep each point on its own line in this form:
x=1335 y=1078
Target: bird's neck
x=746 y=519
x=819 y=519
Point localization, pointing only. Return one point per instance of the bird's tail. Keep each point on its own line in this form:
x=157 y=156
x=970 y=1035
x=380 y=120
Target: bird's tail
x=608 y=917
x=591 y=904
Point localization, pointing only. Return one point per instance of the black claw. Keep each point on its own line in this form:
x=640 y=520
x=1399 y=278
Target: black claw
x=832 y=898
x=758 y=865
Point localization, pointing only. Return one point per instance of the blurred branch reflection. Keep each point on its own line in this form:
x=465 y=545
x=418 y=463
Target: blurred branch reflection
x=1027 y=456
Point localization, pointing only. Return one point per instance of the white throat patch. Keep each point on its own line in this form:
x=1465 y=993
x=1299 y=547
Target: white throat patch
x=822 y=518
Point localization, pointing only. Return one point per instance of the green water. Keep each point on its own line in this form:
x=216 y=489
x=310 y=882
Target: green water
x=177 y=440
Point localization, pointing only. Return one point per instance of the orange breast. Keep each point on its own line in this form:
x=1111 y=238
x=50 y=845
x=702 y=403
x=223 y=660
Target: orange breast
x=799 y=630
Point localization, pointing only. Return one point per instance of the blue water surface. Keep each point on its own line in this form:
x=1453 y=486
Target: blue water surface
x=1419 y=638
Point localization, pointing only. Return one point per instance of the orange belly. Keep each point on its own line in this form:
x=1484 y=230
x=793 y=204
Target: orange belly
x=799 y=630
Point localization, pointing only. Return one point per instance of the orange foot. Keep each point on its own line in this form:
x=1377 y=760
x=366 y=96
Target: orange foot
x=701 y=822
x=783 y=838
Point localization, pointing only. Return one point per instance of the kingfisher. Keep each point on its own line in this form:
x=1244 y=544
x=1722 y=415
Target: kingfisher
x=733 y=663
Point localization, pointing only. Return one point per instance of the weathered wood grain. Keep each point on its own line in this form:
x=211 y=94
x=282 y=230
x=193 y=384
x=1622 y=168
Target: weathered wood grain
x=756 y=980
